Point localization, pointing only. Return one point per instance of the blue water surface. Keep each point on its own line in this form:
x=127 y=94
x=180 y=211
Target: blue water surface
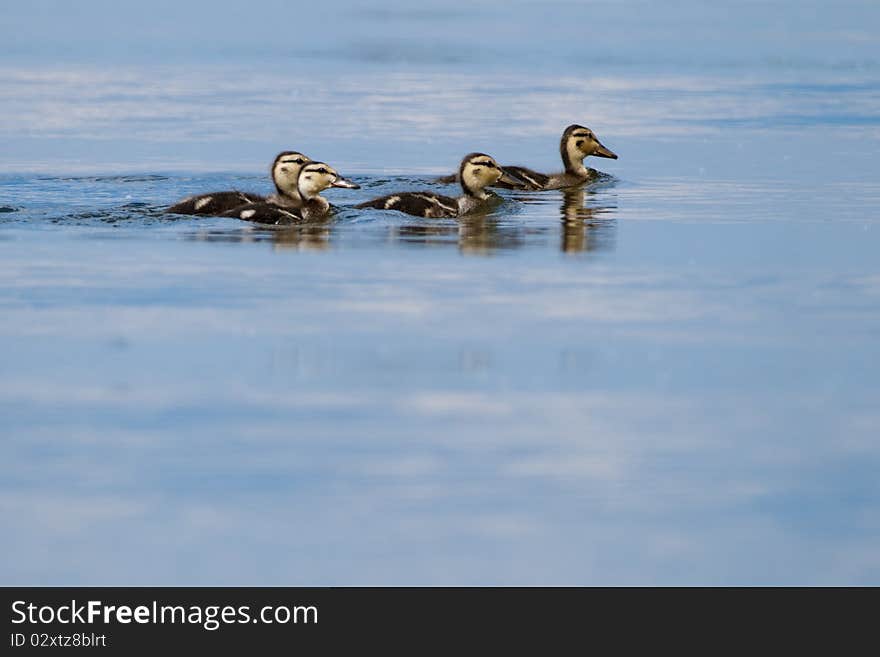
x=668 y=376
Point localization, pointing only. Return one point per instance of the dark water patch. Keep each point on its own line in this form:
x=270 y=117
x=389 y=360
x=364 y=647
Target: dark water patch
x=7 y=208
x=601 y=179
x=132 y=213
x=375 y=182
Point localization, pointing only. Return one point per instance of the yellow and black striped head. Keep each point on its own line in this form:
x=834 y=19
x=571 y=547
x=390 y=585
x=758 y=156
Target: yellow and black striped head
x=315 y=177
x=479 y=170
x=285 y=172
x=578 y=142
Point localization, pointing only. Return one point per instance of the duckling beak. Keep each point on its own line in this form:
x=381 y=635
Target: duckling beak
x=601 y=151
x=342 y=182
x=511 y=179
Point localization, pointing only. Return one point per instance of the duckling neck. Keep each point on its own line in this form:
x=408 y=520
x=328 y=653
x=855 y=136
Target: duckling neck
x=309 y=193
x=315 y=207
x=574 y=162
x=471 y=201
x=478 y=194
x=466 y=203
x=286 y=194
x=286 y=198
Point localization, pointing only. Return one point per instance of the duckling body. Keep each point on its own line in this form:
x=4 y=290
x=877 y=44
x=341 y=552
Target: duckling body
x=577 y=143
x=476 y=172
x=214 y=203
x=265 y=213
x=420 y=204
x=285 y=172
x=313 y=178
x=532 y=179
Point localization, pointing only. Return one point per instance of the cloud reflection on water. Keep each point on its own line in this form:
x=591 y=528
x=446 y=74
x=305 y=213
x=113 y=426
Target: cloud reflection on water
x=114 y=110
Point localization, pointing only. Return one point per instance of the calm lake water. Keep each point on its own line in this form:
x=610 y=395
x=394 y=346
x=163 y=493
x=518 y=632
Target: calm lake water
x=667 y=377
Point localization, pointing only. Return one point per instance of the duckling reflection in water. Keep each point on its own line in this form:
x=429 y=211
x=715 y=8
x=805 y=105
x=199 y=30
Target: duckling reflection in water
x=284 y=171
x=302 y=238
x=477 y=234
x=309 y=237
x=476 y=172
x=577 y=143
x=486 y=235
x=583 y=228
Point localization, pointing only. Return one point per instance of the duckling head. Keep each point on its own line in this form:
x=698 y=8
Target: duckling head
x=285 y=172
x=315 y=177
x=577 y=143
x=479 y=170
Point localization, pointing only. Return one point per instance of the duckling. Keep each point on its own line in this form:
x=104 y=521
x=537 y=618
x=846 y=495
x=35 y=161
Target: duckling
x=477 y=171
x=284 y=171
x=577 y=143
x=313 y=179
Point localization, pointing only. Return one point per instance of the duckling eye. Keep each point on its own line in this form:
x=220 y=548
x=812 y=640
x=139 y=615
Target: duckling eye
x=322 y=171
x=299 y=160
x=579 y=142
